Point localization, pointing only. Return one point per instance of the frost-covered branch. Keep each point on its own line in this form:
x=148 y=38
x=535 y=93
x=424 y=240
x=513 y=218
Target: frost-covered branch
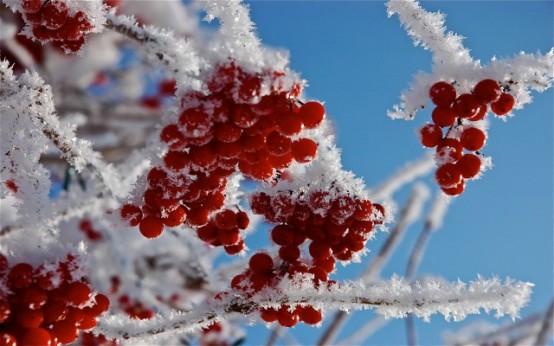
x=453 y=63
x=392 y=299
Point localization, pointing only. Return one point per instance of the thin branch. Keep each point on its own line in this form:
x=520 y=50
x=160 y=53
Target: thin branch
x=546 y=328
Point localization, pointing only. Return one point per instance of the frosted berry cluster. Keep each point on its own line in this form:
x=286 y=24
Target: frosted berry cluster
x=45 y=305
x=246 y=122
x=459 y=113
x=52 y=21
x=337 y=226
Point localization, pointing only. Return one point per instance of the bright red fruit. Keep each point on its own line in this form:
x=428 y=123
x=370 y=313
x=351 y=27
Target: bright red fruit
x=176 y=217
x=131 y=213
x=430 y=135
x=469 y=165
x=443 y=116
x=78 y=293
x=487 y=91
x=466 y=106
x=37 y=336
x=261 y=263
x=310 y=315
x=503 y=105
x=456 y=190
x=320 y=250
x=448 y=175
x=268 y=315
x=7 y=339
x=311 y=113
x=472 y=138
x=29 y=318
x=304 y=150
x=21 y=275
x=287 y=318
x=31 y=6
x=151 y=227
x=65 y=331
x=442 y=94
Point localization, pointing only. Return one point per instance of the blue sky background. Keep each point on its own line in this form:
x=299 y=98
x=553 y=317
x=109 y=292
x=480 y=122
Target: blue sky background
x=358 y=62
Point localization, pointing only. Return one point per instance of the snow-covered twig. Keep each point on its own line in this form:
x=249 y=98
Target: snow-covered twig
x=546 y=327
x=392 y=299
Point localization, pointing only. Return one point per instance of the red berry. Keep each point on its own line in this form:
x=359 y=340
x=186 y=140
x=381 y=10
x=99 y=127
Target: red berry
x=176 y=217
x=304 y=150
x=311 y=113
x=319 y=250
x=176 y=160
x=88 y=322
x=487 y=91
x=430 y=135
x=469 y=165
x=172 y=135
x=151 y=227
x=235 y=248
x=320 y=202
x=261 y=263
x=227 y=132
x=456 y=190
x=503 y=105
x=194 y=122
x=282 y=235
x=198 y=217
x=229 y=236
x=207 y=233
x=443 y=116
x=5 y=310
x=3 y=263
x=480 y=113
x=54 y=14
x=472 y=138
x=78 y=293
x=442 y=94
x=342 y=208
x=363 y=211
x=290 y=125
x=259 y=202
x=289 y=253
x=203 y=156
x=32 y=297
x=54 y=311
x=261 y=170
x=277 y=144
x=65 y=331
x=309 y=315
x=287 y=318
x=242 y=220
x=268 y=315
x=449 y=150
x=37 y=336
x=168 y=87
x=243 y=117
x=226 y=219
x=280 y=162
x=131 y=213
x=21 y=275
x=29 y=318
x=448 y=175
x=466 y=106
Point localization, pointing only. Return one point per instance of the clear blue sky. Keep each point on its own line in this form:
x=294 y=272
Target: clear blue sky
x=358 y=62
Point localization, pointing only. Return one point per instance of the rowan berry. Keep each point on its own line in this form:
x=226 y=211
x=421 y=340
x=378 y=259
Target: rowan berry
x=261 y=263
x=487 y=91
x=176 y=217
x=229 y=236
x=304 y=150
x=469 y=165
x=132 y=214
x=287 y=318
x=466 y=106
x=319 y=250
x=20 y=276
x=37 y=336
x=78 y=293
x=268 y=314
x=472 y=139
x=443 y=116
x=151 y=227
x=311 y=113
x=289 y=253
x=310 y=315
x=456 y=190
x=65 y=331
x=430 y=135
x=503 y=105
x=7 y=339
x=442 y=94
x=448 y=175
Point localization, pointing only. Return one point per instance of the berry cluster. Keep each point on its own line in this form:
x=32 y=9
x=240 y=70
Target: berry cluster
x=89 y=339
x=53 y=21
x=233 y=127
x=338 y=226
x=46 y=307
x=224 y=230
x=459 y=113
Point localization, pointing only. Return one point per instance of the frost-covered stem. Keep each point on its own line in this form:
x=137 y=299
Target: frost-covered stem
x=275 y=332
x=393 y=298
x=432 y=223
x=546 y=328
x=374 y=268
